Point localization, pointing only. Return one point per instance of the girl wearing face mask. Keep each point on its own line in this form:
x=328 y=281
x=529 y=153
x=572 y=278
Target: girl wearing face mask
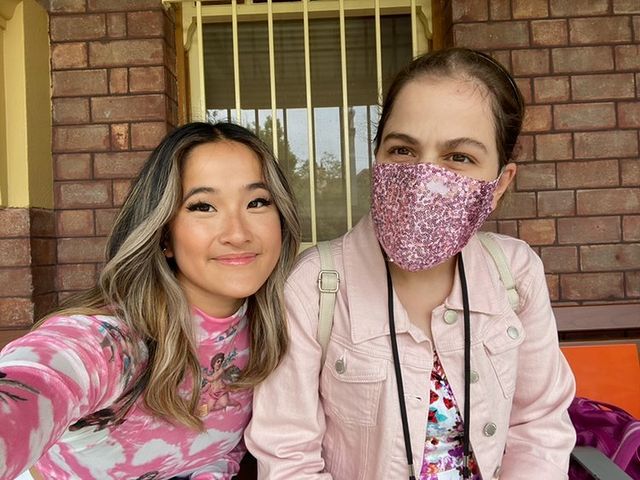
x=150 y=373
x=430 y=372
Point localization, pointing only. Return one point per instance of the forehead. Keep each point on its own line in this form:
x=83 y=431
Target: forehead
x=223 y=160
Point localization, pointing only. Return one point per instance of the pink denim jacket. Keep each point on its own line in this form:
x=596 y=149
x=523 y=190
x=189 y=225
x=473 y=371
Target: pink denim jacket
x=341 y=420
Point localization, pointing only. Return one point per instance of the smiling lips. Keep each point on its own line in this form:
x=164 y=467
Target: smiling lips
x=236 y=259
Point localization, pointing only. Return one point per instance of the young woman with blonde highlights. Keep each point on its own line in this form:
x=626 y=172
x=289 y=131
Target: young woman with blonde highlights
x=119 y=384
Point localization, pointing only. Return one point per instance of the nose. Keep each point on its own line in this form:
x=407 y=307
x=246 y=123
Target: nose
x=235 y=229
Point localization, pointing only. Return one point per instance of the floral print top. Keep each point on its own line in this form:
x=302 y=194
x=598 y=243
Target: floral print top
x=443 y=448
x=59 y=391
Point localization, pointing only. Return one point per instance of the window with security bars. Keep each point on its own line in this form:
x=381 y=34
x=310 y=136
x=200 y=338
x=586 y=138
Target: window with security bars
x=309 y=86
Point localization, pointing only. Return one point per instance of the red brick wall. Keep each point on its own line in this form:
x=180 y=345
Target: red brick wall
x=114 y=98
x=576 y=198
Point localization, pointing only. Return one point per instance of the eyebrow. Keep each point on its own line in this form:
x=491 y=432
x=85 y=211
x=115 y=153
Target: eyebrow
x=400 y=136
x=248 y=187
x=449 y=144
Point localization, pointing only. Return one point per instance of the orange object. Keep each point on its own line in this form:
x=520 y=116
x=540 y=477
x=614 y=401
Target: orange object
x=609 y=373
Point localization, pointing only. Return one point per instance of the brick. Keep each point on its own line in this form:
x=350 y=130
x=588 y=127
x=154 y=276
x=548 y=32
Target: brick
x=43 y=279
x=122 y=5
x=631 y=228
x=626 y=6
x=584 y=31
x=16 y=312
x=508 y=227
x=524 y=85
x=553 y=286
x=75 y=223
x=15 y=222
x=636 y=29
x=146 y=79
x=42 y=222
x=81 y=138
x=68 y=55
x=77 y=83
x=118 y=80
x=15 y=282
x=630 y=171
x=554 y=146
x=43 y=251
x=559 y=259
x=530 y=8
x=523 y=151
x=584 y=116
x=503 y=57
x=598 y=258
x=120 y=191
x=627 y=57
x=591 y=173
x=67 y=6
x=632 y=282
x=615 y=143
x=148 y=23
x=569 y=8
x=77 y=27
x=550 y=89
x=556 y=204
x=492 y=35
x=105 y=218
x=537 y=118
x=81 y=250
x=610 y=201
x=592 y=286
x=15 y=252
x=629 y=115
x=147 y=135
x=582 y=59
x=128 y=108
x=489 y=226
x=118 y=164
x=547 y=33
x=83 y=194
x=541 y=176
x=70 y=110
x=464 y=11
x=76 y=276
x=538 y=231
x=500 y=9
x=530 y=62
x=44 y=304
x=74 y=166
x=120 y=136
x=582 y=230
x=124 y=53
x=517 y=205
x=116 y=25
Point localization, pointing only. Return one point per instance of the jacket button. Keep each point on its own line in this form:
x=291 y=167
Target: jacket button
x=513 y=332
x=450 y=317
x=489 y=429
x=341 y=367
x=474 y=376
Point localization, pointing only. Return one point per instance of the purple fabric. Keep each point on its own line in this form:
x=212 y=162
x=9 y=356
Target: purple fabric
x=609 y=429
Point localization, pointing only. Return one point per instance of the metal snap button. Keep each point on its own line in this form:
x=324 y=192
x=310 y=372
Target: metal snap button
x=513 y=332
x=450 y=317
x=489 y=429
x=341 y=366
x=474 y=376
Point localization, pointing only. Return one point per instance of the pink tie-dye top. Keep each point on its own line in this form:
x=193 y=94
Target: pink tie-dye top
x=58 y=385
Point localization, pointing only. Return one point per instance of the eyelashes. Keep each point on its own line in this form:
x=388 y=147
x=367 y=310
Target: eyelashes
x=205 y=207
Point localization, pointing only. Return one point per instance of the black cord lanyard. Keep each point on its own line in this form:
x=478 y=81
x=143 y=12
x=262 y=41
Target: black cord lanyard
x=467 y=368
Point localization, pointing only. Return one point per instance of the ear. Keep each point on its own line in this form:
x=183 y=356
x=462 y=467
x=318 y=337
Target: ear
x=507 y=176
x=165 y=244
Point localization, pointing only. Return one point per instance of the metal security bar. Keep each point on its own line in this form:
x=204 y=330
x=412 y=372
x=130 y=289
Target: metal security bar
x=199 y=15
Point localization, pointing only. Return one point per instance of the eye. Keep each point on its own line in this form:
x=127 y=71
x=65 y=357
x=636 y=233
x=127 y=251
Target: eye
x=200 y=207
x=460 y=158
x=400 y=150
x=259 y=202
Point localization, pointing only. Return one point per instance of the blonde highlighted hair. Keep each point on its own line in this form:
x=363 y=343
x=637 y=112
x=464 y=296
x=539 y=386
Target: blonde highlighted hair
x=139 y=287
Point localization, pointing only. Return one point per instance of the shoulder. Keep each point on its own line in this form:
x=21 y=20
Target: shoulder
x=521 y=258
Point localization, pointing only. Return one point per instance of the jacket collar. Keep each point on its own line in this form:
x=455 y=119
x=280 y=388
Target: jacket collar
x=365 y=279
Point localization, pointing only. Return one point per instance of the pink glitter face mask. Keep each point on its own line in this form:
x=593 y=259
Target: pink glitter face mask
x=424 y=214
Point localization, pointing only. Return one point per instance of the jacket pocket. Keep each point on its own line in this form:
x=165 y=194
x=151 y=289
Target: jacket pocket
x=351 y=384
x=501 y=342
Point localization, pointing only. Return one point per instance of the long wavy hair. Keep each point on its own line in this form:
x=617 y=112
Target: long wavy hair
x=138 y=284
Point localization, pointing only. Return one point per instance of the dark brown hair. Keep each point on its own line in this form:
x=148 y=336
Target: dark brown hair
x=506 y=100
